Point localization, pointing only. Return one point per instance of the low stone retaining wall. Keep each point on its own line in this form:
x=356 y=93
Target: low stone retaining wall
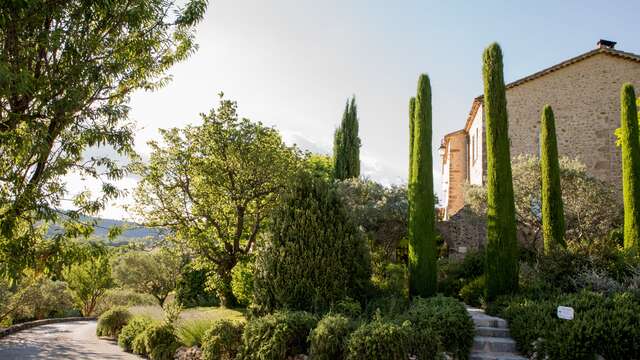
x=30 y=324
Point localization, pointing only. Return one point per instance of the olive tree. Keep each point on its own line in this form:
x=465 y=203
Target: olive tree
x=591 y=207
x=149 y=272
x=213 y=185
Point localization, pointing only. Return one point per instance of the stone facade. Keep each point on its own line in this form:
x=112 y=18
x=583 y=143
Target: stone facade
x=584 y=93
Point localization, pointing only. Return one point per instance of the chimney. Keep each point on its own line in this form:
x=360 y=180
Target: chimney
x=606 y=44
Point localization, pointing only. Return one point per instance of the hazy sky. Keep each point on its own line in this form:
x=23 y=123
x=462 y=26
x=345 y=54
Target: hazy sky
x=293 y=64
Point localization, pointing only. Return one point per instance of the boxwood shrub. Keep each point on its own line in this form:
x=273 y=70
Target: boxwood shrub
x=446 y=317
x=278 y=335
x=161 y=342
x=112 y=321
x=328 y=339
x=222 y=341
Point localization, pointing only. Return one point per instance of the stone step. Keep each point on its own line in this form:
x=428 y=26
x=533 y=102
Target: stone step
x=492 y=331
x=489 y=321
x=493 y=344
x=495 y=356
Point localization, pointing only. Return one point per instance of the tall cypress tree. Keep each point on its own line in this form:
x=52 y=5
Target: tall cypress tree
x=501 y=263
x=422 y=239
x=412 y=111
x=630 y=167
x=552 y=207
x=346 y=144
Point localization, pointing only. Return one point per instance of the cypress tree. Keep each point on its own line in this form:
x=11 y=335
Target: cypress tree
x=422 y=239
x=412 y=109
x=501 y=262
x=630 y=167
x=346 y=144
x=552 y=207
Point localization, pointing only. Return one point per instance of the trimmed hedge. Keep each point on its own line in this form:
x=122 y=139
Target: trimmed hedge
x=278 y=335
x=222 y=341
x=161 y=342
x=112 y=321
x=328 y=339
x=135 y=327
x=448 y=319
x=606 y=326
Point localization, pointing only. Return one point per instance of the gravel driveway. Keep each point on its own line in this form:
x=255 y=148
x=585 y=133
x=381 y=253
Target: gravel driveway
x=70 y=340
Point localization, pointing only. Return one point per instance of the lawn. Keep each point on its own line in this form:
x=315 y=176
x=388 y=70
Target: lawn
x=198 y=313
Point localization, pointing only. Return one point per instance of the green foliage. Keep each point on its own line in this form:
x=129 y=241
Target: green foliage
x=591 y=206
x=135 y=327
x=229 y=172
x=242 y=282
x=315 y=255
x=596 y=318
x=630 y=167
x=191 y=332
x=67 y=79
x=222 y=341
x=422 y=234
x=154 y=272
x=111 y=322
x=277 y=336
x=161 y=342
x=386 y=340
x=122 y=297
x=502 y=245
x=472 y=293
x=447 y=319
x=138 y=345
x=347 y=307
x=552 y=206
x=380 y=211
x=328 y=340
x=34 y=298
x=320 y=165
x=346 y=146
x=88 y=281
x=412 y=115
x=191 y=288
x=392 y=281
x=455 y=274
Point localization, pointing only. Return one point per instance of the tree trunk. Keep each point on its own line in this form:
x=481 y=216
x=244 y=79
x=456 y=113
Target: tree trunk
x=223 y=286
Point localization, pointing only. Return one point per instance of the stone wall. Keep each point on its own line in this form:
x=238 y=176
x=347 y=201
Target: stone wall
x=463 y=232
x=456 y=175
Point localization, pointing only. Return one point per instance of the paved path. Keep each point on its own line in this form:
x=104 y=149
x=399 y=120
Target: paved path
x=70 y=340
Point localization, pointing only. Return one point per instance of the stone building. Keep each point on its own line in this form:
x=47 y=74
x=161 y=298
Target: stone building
x=584 y=93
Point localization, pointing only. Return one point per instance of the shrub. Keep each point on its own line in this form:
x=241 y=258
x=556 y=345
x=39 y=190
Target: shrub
x=605 y=326
x=473 y=292
x=38 y=298
x=278 y=335
x=191 y=333
x=392 y=280
x=112 y=321
x=161 y=342
x=122 y=297
x=139 y=343
x=191 y=288
x=315 y=255
x=389 y=306
x=222 y=341
x=389 y=340
x=328 y=339
x=455 y=274
x=447 y=318
x=242 y=283
x=135 y=326
x=347 y=307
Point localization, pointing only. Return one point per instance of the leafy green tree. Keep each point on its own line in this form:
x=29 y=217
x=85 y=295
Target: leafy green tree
x=149 y=272
x=67 y=70
x=88 y=281
x=346 y=145
x=630 y=167
x=315 y=255
x=320 y=165
x=213 y=185
x=552 y=206
x=502 y=245
x=422 y=234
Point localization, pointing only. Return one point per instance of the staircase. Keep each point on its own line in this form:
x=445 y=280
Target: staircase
x=492 y=341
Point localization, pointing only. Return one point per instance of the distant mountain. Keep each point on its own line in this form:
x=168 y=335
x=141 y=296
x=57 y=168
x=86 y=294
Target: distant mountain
x=130 y=231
